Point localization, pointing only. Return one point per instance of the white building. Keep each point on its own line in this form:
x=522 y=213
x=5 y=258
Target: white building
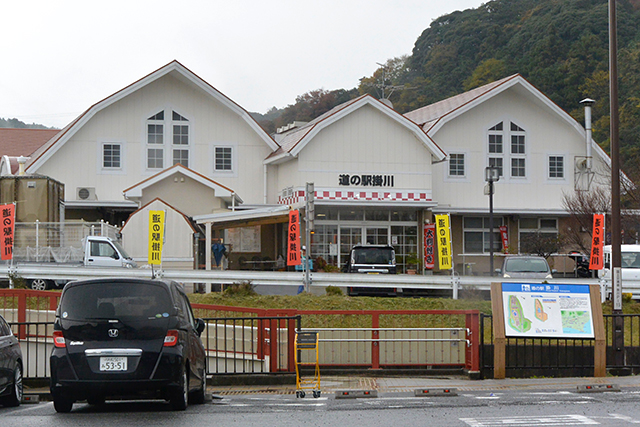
x=379 y=176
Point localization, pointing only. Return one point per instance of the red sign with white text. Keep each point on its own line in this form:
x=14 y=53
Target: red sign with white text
x=505 y=238
x=293 y=239
x=429 y=246
x=596 y=261
x=8 y=216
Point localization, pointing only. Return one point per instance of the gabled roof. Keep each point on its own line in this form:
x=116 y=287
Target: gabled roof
x=175 y=68
x=295 y=140
x=433 y=117
x=23 y=142
x=157 y=199
x=429 y=115
x=220 y=190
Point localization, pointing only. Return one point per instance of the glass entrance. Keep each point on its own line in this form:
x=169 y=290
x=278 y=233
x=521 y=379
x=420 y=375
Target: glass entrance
x=377 y=235
x=349 y=236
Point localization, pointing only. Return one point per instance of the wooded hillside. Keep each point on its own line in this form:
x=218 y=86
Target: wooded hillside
x=560 y=46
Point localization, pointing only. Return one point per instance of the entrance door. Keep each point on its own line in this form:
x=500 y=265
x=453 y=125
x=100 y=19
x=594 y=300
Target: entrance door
x=377 y=235
x=349 y=236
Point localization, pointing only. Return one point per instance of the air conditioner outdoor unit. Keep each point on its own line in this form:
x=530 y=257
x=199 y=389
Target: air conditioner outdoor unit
x=86 y=193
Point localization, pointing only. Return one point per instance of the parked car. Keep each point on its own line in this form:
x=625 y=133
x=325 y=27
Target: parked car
x=10 y=367
x=526 y=267
x=371 y=259
x=132 y=338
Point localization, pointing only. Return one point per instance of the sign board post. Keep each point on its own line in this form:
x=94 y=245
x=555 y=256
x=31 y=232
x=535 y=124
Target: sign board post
x=535 y=310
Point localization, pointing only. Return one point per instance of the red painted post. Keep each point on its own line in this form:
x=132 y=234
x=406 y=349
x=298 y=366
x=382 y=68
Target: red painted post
x=22 y=313
x=375 y=345
x=472 y=363
x=291 y=347
x=53 y=301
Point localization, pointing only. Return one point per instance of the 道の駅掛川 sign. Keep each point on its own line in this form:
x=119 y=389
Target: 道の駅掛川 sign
x=547 y=310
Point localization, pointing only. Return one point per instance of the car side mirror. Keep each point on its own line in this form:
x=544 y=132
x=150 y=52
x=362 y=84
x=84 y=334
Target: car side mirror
x=200 y=326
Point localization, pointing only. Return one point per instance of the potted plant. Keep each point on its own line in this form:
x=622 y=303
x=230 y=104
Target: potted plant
x=412 y=263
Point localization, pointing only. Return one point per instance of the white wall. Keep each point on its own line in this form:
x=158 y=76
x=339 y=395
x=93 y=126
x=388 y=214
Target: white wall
x=178 y=247
x=546 y=134
x=365 y=141
x=78 y=162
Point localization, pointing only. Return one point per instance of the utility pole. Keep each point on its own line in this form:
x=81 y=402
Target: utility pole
x=616 y=234
x=309 y=228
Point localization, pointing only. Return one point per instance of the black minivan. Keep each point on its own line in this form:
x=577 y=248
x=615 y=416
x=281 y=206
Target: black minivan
x=126 y=338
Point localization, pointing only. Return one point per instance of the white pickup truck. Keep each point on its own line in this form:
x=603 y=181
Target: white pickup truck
x=98 y=251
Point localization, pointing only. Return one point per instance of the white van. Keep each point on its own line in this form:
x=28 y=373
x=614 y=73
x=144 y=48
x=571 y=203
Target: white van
x=630 y=263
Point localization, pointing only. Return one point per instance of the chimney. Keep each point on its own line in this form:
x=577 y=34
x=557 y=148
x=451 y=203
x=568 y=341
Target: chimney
x=21 y=162
x=588 y=102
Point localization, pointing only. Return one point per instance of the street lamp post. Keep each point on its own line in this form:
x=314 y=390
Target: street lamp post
x=491 y=175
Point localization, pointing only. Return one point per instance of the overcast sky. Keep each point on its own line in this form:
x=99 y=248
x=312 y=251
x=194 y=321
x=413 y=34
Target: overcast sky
x=60 y=57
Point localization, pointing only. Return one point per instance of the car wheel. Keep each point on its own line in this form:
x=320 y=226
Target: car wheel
x=199 y=395
x=39 y=284
x=62 y=402
x=15 y=397
x=180 y=396
x=96 y=400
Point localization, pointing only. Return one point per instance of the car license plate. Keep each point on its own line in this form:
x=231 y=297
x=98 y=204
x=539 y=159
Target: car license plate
x=113 y=364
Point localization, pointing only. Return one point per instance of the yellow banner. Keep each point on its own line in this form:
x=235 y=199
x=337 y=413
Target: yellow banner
x=156 y=236
x=443 y=231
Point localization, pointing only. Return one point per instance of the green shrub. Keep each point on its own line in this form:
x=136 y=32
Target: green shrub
x=244 y=288
x=333 y=290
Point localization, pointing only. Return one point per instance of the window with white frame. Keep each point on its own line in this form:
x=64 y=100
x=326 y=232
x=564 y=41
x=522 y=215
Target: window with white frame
x=180 y=139
x=556 y=167
x=176 y=144
x=518 y=151
x=495 y=148
x=456 y=165
x=518 y=169
x=111 y=155
x=223 y=159
x=513 y=156
x=155 y=141
x=476 y=234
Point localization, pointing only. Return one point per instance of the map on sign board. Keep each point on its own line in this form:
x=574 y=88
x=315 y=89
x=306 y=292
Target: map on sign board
x=547 y=310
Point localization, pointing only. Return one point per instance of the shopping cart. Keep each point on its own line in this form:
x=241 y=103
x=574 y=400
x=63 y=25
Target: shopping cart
x=308 y=342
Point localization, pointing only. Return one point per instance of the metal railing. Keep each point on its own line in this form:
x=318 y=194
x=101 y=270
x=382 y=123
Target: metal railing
x=36 y=344
x=56 y=241
x=250 y=345
x=562 y=356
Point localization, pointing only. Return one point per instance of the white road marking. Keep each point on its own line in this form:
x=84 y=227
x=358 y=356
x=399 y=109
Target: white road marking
x=625 y=418
x=543 y=420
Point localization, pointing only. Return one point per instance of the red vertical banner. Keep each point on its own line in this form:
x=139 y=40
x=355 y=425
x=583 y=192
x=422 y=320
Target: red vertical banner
x=597 y=243
x=429 y=246
x=293 y=239
x=8 y=214
x=505 y=238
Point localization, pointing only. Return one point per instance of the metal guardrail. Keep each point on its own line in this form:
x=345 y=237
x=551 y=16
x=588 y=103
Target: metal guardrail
x=258 y=278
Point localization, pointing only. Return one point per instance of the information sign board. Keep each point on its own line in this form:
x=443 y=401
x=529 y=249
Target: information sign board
x=547 y=310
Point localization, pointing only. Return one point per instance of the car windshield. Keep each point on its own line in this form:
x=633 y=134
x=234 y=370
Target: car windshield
x=529 y=265
x=121 y=249
x=384 y=256
x=115 y=301
x=630 y=260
